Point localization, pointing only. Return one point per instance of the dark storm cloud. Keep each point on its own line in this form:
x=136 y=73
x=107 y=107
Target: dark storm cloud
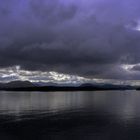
x=86 y=38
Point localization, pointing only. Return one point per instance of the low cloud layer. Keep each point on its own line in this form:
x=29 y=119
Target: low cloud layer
x=92 y=39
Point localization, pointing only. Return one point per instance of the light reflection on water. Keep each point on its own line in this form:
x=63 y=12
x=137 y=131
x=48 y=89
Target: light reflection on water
x=97 y=115
x=124 y=104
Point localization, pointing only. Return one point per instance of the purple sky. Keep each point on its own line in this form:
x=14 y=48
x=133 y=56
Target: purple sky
x=88 y=38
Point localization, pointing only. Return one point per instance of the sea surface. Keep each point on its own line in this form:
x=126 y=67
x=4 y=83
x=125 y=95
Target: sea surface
x=94 y=115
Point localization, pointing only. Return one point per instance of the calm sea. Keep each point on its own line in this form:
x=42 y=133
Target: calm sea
x=97 y=115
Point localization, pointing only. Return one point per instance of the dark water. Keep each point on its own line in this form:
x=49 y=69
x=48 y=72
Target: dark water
x=108 y=115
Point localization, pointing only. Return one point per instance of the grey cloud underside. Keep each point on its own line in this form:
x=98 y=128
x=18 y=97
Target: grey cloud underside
x=90 y=39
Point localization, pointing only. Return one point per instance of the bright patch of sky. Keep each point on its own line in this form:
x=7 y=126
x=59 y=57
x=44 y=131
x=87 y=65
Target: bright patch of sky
x=16 y=73
x=135 y=25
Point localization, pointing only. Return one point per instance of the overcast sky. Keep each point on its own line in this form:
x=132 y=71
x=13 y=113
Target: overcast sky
x=87 y=38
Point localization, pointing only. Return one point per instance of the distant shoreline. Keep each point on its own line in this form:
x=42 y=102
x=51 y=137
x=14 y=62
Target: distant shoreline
x=55 y=89
x=29 y=86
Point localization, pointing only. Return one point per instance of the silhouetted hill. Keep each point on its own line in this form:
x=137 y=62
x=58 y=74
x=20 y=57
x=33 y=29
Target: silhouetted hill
x=106 y=86
x=87 y=85
x=28 y=86
x=17 y=84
